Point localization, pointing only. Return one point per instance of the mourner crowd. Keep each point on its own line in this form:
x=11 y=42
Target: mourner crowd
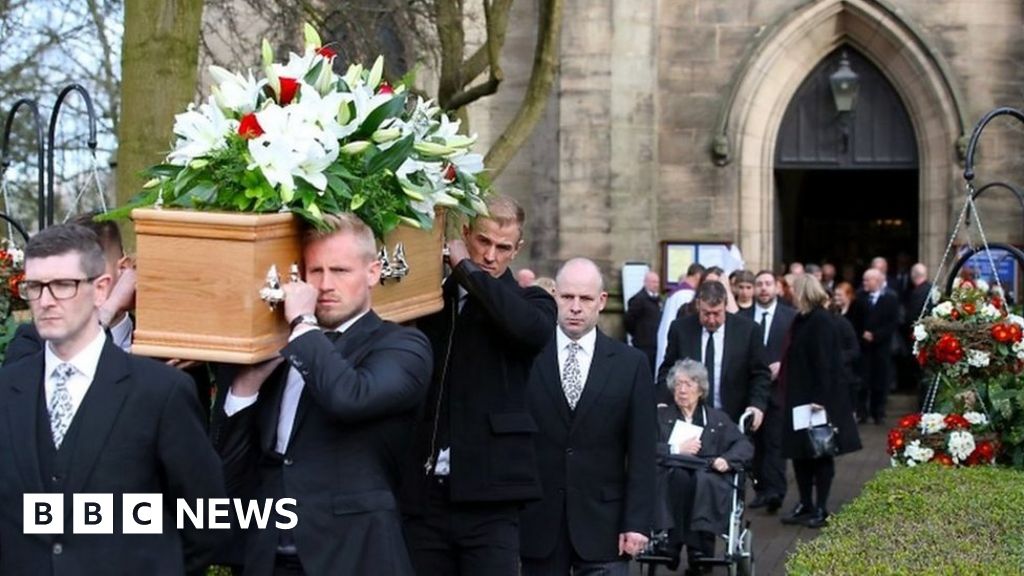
x=506 y=434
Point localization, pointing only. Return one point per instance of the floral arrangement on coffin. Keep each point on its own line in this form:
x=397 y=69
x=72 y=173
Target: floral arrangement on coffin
x=951 y=440
x=972 y=347
x=12 y=272
x=307 y=140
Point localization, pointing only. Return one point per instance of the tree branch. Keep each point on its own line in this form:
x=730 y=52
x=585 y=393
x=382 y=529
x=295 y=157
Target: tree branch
x=542 y=77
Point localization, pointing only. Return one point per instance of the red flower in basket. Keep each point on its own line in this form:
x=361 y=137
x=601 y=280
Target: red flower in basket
x=896 y=441
x=956 y=421
x=943 y=459
x=1001 y=333
x=948 y=349
x=922 y=356
x=910 y=421
x=12 y=284
x=1015 y=332
x=969 y=309
x=984 y=451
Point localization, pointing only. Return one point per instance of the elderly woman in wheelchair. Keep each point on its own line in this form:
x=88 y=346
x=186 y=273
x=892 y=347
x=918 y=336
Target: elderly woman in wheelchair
x=699 y=452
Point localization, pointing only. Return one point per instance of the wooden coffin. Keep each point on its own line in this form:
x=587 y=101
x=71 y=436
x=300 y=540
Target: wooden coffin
x=199 y=276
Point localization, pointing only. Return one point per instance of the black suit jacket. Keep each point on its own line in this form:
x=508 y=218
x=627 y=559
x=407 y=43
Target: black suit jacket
x=642 y=320
x=597 y=461
x=781 y=321
x=351 y=431
x=882 y=320
x=482 y=358
x=138 y=430
x=745 y=375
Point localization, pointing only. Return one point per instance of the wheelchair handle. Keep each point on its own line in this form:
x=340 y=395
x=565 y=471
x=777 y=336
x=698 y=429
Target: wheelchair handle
x=743 y=421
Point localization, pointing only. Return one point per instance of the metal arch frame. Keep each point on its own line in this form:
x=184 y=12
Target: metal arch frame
x=54 y=116
x=5 y=162
x=955 y=271
x=972 y=145
x=10 y=220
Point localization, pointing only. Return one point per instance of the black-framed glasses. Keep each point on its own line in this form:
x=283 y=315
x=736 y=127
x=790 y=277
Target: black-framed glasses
x=60 y=289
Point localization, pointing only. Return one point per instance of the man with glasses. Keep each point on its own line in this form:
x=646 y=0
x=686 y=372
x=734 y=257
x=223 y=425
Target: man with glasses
x=85 y=417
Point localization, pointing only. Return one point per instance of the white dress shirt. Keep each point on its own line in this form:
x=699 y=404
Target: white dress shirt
x=85 y=364
x=719 y=336
x=121 y=333
x=292 y=392
x=584 y=356
x=758 y=312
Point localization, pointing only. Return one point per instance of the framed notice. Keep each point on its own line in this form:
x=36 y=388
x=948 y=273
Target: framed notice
x=676 y=257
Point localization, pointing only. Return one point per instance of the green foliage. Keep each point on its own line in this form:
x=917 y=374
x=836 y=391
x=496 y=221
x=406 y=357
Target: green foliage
x=926 y=520
x=7 y=328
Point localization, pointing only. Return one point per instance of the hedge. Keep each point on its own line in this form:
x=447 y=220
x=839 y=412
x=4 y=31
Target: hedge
x=923 y=521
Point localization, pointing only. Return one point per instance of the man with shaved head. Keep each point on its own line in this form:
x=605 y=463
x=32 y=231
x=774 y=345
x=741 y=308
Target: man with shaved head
x=880 y=310
x=643 y=314
x=594 y=405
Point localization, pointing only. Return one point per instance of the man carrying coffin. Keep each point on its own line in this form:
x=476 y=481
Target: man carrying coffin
x=81 y=416
x=329 y=426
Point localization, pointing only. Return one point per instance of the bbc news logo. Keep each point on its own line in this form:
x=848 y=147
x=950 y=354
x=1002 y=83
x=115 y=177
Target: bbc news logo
x=144 y=513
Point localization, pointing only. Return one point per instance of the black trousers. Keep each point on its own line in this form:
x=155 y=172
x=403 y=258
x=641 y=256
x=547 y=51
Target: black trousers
x=288 y=566
x=564 y=561
x=814 y=478
x=463 y=539
x=769 y=465
x=875 y=387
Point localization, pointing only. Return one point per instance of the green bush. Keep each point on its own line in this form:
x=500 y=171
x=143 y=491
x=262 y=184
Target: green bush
x=924 y=520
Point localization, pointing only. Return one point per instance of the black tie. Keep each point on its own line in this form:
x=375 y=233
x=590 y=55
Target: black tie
x=332 y=335
x=709 y=363
x=764 y=323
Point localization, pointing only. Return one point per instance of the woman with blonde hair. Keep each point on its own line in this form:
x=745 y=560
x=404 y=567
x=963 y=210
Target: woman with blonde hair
x=811 y=374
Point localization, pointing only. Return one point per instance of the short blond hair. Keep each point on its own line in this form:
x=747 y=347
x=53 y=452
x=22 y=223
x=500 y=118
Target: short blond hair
x=345 y=223
x=503 y=211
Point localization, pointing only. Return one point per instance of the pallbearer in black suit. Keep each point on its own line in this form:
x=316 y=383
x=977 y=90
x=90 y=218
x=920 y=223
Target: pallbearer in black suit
x=774 y=318
x=82 y=416
x=594 y=405
x=730 y=346
x=330 y=427
x=473 y=463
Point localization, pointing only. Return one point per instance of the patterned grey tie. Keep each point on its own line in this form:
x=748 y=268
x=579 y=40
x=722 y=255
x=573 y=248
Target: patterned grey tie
x=61 y=409
x=572 y=378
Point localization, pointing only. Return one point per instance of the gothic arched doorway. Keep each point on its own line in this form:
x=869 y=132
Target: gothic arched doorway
x=846 y=182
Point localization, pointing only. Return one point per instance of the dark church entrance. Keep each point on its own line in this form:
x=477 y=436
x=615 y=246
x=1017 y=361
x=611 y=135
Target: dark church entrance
x=846 y=180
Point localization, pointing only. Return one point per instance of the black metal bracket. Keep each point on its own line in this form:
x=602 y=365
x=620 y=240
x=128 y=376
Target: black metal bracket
x=972 y=145
x=54 y=116
x=5 y=159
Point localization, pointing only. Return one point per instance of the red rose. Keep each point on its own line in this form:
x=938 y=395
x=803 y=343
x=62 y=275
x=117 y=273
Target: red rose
x=1000 y=333
x=1015 y=332
x=948 y=349
x=896 y=442
x=969 y=308
x=12 y=284
x=944 y=459
x=327 y=52
x=289 y=86
x=249 y=127
x=910 y=421
x=956 y=421
x=922 y=356
x=997 y=302
x=385 y=88
x=985 y=451
x=955 y=314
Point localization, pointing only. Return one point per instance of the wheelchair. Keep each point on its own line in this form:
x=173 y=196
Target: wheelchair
x=737 y=553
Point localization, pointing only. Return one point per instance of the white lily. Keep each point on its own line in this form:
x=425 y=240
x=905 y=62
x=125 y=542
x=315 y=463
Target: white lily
x=200 y=131
x=234 y=92
x=470 y=163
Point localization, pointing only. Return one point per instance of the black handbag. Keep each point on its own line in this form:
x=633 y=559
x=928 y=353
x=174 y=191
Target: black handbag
x=823 y=441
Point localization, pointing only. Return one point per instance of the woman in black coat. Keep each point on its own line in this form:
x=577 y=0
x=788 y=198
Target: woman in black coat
x=812 y=373
x=695 y=490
